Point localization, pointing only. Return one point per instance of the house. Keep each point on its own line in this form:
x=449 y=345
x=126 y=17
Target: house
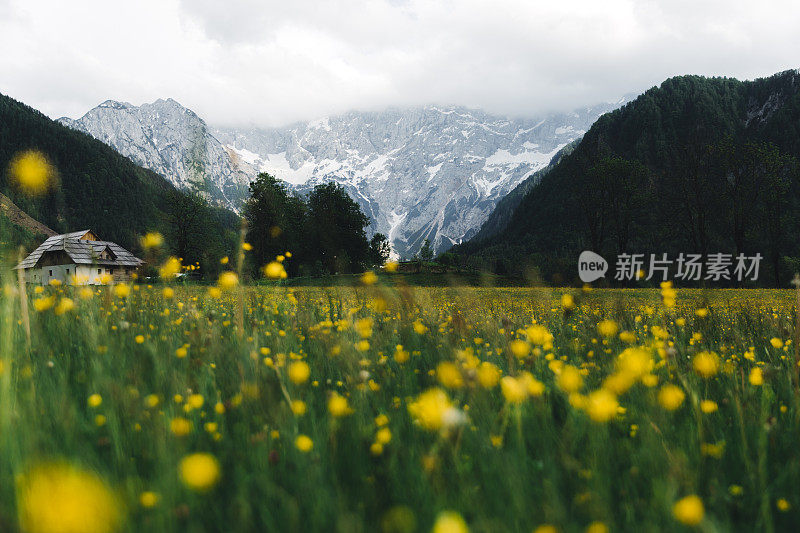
x=79 y=258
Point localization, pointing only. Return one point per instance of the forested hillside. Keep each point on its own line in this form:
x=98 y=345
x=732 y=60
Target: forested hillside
x=697 y=165
x=100 y=189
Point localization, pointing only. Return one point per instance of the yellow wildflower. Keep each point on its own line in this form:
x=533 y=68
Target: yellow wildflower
x=338 y=406
x=449 y=522
x=689 y=510
x=304 y=443
x=199 y=471
x=299 y=372
x=60 y=498
x=228 y=280
x=32 y=172
x=152 y=240
x=706 y=364
x=670 y=397
x=601 y=405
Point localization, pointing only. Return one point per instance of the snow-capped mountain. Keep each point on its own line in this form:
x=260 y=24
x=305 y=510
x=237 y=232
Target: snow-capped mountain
x=429 y=172
x=171 y=140
x=420 y=173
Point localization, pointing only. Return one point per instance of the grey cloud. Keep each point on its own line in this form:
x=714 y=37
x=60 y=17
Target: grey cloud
x=268 y=63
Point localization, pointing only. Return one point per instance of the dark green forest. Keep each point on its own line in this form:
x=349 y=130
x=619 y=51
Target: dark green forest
x=697 y=165
x=100 y=189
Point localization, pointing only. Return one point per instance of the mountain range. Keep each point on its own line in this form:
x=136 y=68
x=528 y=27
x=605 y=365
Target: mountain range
x=429 y=172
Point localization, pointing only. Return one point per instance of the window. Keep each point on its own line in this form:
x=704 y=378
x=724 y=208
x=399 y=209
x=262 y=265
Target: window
x=51 y=272
x=67 y=272
x=111 y=271
x=99 y=270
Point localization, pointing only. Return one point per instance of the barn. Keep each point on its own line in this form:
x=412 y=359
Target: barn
x=79 y=258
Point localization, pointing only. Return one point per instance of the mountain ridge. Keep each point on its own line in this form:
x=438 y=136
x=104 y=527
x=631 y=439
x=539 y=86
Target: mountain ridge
x=419 y=172
x=694 y=165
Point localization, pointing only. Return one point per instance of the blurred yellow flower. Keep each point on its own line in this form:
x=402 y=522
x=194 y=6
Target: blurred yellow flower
x=429 y=409
x=539 y=335
x=449 y=375
x=708 y=406
x=180 y=427
x=338 y=406
x=634 y=363
x=152 y=240
x=122 y=290
x=195 y=401
x=32 y=172
x=519 y=348
x=449 y=522
x=601 y=405
x=275 y=270
x=299 y=372
x=369 y=278
x=689 y=510
x=148 y=499
x=569 y=379
x=383 y=436
x=420 y=328
x=756 y=377
x=364 y=327
x=706 y=364
x=607 y=328
x=65 y=305
x=488 y=375
x=228 y=280
x=513 y=389
x=303 y=443
x=60 y=498
x=199 y=471
x=44 y=303
x=670 y=397
x=298 y=407
x=94 y=400
x=170 y=269
x=596 y=527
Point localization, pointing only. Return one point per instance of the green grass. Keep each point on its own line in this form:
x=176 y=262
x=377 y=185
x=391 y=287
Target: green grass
x=548 y=461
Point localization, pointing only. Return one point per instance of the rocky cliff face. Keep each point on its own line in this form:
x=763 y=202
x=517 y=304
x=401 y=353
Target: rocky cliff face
x=420 y=173
x=171 y=140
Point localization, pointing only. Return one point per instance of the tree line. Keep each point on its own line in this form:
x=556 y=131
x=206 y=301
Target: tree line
x=325 y=230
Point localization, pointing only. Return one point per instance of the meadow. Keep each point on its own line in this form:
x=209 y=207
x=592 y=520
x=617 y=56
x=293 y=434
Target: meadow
x=397 y=409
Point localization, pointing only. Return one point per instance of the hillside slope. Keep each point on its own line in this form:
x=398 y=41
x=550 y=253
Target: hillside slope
x=701 y=165
x=99 y=189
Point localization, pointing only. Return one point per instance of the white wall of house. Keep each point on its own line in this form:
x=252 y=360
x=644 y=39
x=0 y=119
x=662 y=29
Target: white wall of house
x=67 y=274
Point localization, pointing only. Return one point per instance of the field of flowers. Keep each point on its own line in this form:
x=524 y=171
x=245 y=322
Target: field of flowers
x=234 y=408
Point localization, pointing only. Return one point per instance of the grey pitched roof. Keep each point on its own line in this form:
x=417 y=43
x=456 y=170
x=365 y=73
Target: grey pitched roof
x=82 y=252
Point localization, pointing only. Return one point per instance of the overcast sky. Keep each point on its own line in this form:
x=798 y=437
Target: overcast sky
x=250 y=62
